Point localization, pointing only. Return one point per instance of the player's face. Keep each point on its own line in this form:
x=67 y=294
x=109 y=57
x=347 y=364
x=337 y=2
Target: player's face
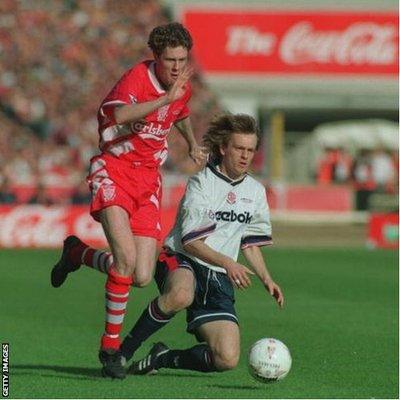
x=170 y=63
x=238 y=154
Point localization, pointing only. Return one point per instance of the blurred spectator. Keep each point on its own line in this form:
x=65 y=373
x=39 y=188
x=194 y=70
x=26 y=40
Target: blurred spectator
x=395 y=162
x=342 y=166
x=363 y=179
x=81 y=194
x=382 y=170
x=7 y=196
x=334 y=166
x=41 y=196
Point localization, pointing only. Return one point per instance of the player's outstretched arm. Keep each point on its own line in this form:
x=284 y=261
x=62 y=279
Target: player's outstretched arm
x=134 y=112
x=256 y=261
x=197 y=153
x=237 y=273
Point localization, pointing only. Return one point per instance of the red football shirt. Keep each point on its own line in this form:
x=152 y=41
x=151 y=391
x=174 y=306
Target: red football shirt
x=142 y=142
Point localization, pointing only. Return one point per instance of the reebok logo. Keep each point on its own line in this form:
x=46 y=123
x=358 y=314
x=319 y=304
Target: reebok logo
x=232 y=216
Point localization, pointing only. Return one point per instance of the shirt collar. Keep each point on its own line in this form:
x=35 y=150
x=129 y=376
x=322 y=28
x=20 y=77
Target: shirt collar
x=215 y=169
x=153 y=78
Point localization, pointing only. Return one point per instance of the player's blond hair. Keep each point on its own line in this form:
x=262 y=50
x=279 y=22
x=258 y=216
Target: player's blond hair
x=222 y=127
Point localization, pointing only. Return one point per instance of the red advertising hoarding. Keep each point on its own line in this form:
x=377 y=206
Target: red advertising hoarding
x=36 y=226
x=384 y=231
x=293 y=42
x=47 y=226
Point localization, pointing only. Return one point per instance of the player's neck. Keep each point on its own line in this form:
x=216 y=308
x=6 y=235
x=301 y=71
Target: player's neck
x=233 y=177
x=157 y=74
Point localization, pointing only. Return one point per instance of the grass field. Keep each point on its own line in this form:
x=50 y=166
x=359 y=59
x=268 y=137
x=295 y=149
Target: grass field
x=340 y=323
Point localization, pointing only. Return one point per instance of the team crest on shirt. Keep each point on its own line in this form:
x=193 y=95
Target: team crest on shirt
x=231 y=198
x=108 y=192
x=162 y=113
x=132 y=98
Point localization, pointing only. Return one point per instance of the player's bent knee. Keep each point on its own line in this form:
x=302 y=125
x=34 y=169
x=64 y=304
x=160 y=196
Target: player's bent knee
x=143 y=274
x=226 y=360
x=142 y=280
x=124 y=263
x=142 y=283
x=179 y=300
x=226 y=364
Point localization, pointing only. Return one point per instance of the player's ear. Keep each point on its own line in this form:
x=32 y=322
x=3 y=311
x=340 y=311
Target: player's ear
x=222 y=149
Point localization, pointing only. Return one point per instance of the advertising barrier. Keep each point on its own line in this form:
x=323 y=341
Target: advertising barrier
x=384 y=231
x=46 y=226
x=36 y=226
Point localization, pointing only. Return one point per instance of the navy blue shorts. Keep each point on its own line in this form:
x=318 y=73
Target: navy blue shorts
x=214 y=294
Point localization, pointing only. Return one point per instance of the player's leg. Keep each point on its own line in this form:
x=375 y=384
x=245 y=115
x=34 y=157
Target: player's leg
x=212 y=318
x=223 y=339
x=146 y=248
x=116 y=225
x=105 y=193
x=178 y=293
x=134 y=256
x=220 y=352
x=74 y=254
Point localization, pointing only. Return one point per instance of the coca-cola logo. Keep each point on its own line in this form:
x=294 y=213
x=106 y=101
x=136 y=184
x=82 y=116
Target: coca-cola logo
x=360 y=43
x=27 y=226
x=248 y=40
x=41 y=226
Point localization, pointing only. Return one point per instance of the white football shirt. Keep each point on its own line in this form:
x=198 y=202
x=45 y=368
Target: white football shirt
x=229 y=214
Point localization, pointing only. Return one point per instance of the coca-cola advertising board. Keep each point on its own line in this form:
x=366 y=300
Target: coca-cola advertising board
x=42 y=226
x=293 y=42
x=37 y=226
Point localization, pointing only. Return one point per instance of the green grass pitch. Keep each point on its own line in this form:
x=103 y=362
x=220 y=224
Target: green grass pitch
x=340 y=323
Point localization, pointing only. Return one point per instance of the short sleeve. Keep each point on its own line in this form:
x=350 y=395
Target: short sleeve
x=126 y=91
x=259 y=231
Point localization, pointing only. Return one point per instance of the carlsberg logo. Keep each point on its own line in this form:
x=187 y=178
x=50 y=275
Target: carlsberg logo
x=232 y=216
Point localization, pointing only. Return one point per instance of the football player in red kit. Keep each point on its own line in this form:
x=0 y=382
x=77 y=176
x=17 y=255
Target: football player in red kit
x=134 y=121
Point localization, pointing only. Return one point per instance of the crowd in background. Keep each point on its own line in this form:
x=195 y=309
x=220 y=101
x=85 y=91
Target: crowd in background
x=57 y=62
x=369 y=171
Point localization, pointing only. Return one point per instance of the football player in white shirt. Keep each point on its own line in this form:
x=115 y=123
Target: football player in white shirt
x=224 y=210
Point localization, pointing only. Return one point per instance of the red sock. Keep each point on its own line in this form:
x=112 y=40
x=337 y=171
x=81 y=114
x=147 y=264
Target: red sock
x=97 y=259
x=117 y=293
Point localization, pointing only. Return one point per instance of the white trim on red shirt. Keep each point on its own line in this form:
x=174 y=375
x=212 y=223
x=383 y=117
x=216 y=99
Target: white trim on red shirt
x=153 y=78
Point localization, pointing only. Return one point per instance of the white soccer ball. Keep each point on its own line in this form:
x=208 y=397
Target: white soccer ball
x=269 y=360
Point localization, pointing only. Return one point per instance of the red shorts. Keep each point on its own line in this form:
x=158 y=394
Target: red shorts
x=135 y=189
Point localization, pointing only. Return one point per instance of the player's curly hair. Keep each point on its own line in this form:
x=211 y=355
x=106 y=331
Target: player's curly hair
x=222 y=127
x=169 y=35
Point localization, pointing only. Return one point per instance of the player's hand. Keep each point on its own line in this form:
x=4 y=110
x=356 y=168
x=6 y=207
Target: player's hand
x=275 y=291
x=198 y=154
x=178 y=89
x=238 y=274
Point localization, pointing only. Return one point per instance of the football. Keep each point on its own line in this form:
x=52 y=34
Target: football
x=269 y=360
